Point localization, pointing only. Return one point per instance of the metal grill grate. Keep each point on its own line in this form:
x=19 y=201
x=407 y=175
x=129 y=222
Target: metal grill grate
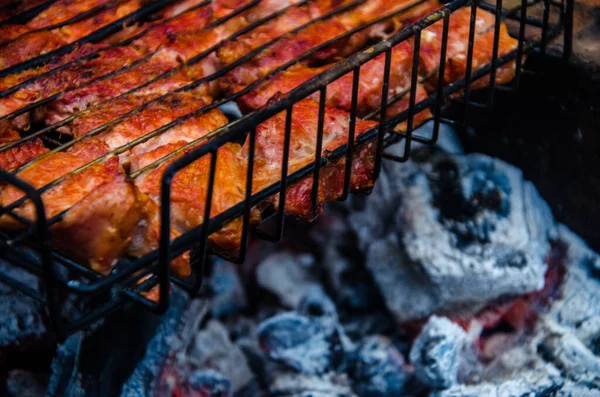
x=30 y=249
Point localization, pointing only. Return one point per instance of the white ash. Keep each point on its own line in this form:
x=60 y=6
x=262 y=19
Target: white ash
x=287 y=275
x=579 y=307
x=308 y=340
x=289 y=384
x=435 y=352
x=560 y=356
x=212 y=349
x=529 y=383
x=570 y=355
x=427 y=259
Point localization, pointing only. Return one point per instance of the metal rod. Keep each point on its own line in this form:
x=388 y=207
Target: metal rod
x=314 y=194
x=492 y=87
x=383 y=110
x=522 y=24
x=441 y=78
x=351 y=132
x=568 y=30
x=546 y=18
x=469 y=62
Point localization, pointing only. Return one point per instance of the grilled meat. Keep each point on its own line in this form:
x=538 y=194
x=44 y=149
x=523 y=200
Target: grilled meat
x=223 y=8
x=314 y=35
x=63 y=10
x=269 y=148
x=339 y=92
x=102 y=208
x=12 y=80
x=458 y=39
x=10 y=9
x=127 y=105
x=165 y=41
x=179 y=8
x=189 y=189
x=159 y=114
x=20 y=154
x=77 y=30
x=289 y=20
x=28 y=46
x=74 y=75
x=11 y=32
x=36 y=43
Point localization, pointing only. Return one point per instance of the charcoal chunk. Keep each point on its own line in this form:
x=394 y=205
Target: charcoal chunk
x=578 y=308
x=208 y=383
x=168 y=338
x=528 y=383
x=213 y=349
x=435 y=352
x=305 y=344
x=571 y=356
x=21 y=319
x=287 y=275
x=20 y=383
x=379 y=369
x=453 y=233
x=316 y=303
x=228 y=295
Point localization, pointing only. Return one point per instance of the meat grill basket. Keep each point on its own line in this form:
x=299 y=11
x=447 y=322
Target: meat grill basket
x=535 y=23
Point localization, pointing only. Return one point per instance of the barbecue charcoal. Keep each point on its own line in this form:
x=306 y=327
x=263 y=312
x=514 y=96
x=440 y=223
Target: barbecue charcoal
x=378 y=322
x=316 y=304
x=309 y=340
x=379 y=369
x=570 y=389
x=213 y=349
x=531 y=384
x=19 y=383
x=228 y=295
x=206 y=383
x=169 y=338
x=468 y=230
x=287 y=275
x=408 y=293
x=288 y=384
x=476 y=229
x=64 y=368
x=578 y=308
x=252 y=390
x=436 y=352
x=305 y=344
x=570 y=355
x=354 y=289
x=21 y=320
x=373 y=218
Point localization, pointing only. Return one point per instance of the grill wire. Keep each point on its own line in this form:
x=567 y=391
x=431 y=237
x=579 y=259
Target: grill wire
x=31 y=250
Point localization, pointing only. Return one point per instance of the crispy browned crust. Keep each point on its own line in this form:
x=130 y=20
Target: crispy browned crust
x=269 y=153
x=62 y=10
x=458 y=37
x=102 y=207
x=189 y=189
x=339 y=92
